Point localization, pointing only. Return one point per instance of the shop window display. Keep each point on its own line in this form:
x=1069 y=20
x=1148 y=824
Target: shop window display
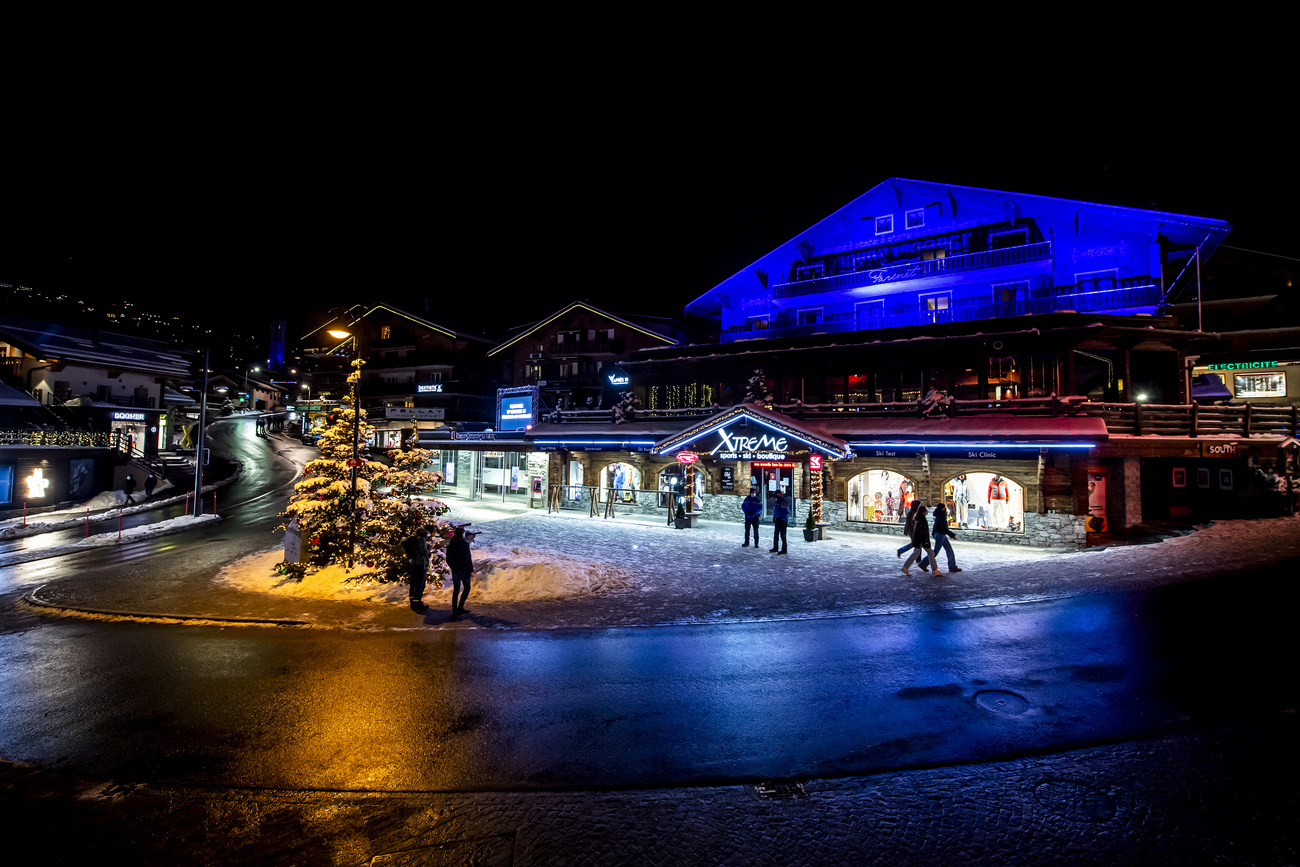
x=880 y=497
x=985 y=501
x=624 y=479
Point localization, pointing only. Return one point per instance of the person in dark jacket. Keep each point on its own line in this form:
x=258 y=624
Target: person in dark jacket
x=128 y=487
x=461 y=563
x=942 y=533
x=780 y=520
x=753 y=509
x=149 y=484
x=417 y=560
x=921 y=542
x=909 y=526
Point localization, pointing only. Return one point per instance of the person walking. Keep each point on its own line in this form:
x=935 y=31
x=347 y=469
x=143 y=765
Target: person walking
x=149 y=484
x=780 y=520
x=942 y=534
x=129 y=488
x=417 y=560
x=753 y=509
x=909 y=525
x=921 y=542
x=461 y=563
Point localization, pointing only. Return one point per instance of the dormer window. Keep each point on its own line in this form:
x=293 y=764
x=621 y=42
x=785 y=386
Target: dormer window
x=885 y=224
x=914 y=219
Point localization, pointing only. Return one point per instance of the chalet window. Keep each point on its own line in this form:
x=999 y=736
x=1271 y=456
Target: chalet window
x=937 y=301
x=869 y=309
x=1259 y=384
x=1005 y=295
x=1095 y=281
x=810 y=317
x=885 y=224
x=385 y=332
x=914 y=219
x=758 y=323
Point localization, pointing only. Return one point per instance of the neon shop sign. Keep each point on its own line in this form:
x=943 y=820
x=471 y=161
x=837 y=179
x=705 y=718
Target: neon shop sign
x=733 y=447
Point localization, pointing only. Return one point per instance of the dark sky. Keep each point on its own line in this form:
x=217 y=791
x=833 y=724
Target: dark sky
x=240 y=204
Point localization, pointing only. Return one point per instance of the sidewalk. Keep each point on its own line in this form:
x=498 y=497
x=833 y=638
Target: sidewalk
x=1222 y=794
x=642 y=573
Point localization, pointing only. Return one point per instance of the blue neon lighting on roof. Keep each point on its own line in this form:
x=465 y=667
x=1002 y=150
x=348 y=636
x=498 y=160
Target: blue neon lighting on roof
x=952 y=445
x=721 y=425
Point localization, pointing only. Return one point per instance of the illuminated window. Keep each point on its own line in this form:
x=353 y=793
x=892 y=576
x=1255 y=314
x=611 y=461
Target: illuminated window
x=385 y=332
x=1259 y=384
x=880 y=497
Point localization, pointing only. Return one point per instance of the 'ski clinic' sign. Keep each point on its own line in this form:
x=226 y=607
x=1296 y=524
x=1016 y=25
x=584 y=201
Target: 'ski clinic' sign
x=733 y=447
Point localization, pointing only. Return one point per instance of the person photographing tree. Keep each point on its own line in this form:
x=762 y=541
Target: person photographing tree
x=417 y=560
x=461 y=563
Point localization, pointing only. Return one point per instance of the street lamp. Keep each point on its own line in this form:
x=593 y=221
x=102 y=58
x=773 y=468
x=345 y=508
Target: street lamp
x=247 y=396
x=356 y=439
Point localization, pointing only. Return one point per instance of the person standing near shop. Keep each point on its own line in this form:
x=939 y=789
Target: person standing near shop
x=753 y=509
x=417 y=561
x=780 y=520
x=921 y=542
x=942 y=534
x=461 y=563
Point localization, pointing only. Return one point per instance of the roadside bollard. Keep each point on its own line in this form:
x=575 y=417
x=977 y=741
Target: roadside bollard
x=24 y=513
x=119 y=525
x=88 y=523
x=214 y=504
x=187 y=503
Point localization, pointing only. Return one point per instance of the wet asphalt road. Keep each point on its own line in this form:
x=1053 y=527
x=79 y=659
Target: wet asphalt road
x=459 y=710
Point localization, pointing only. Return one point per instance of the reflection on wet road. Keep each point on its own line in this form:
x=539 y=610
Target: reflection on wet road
x=483 y=709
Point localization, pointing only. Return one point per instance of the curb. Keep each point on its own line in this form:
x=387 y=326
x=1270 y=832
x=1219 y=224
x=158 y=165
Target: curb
x=153 y=617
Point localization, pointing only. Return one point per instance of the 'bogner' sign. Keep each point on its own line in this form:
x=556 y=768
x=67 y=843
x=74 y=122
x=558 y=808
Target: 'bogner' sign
x=733 y=447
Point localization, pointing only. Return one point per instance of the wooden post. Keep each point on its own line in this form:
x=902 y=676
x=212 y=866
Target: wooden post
x=88 y=523
x=1137 y=419
x=1246 y=421
x=1196 y=419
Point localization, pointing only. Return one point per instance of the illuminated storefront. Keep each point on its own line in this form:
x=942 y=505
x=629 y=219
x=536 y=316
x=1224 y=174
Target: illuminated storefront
x=880 y=497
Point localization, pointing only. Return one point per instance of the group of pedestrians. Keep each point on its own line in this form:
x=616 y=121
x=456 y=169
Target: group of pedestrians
x=916 y=528
x=459 y=560
x=128 y=488
x=918 y=534
x=753 y=509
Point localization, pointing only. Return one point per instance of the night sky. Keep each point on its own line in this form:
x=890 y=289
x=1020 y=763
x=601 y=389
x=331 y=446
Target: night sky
x=503 y=207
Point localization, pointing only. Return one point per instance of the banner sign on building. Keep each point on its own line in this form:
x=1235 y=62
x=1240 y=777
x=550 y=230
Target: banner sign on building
x=418 y=412
x=428 y=388
x=128 y=416
x=517 y=408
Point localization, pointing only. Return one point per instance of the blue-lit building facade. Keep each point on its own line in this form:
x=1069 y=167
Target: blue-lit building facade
x=1004 y=353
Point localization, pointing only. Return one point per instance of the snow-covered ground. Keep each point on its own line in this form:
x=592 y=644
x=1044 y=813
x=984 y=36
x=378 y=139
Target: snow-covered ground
x=634 y=570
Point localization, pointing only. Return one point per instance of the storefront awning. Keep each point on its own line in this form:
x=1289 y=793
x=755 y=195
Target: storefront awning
x=1046 y=432
x=751 y=429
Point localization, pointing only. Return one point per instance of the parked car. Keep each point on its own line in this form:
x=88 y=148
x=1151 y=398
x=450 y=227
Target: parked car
x=310 y=439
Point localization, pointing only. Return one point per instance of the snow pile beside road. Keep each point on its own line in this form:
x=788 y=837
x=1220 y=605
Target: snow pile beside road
x=501 y=575
x=518 y=575
x=146 y=531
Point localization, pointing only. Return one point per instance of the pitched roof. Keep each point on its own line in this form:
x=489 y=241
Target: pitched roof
x=542 y=323
x=358 y=312
x=95 y=348
x=836 y=230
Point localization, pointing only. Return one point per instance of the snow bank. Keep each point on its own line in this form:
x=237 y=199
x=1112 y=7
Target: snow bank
x=501 y=575
x=147 y=531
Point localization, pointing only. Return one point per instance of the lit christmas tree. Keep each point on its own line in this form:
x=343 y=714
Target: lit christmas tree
x=387 y=508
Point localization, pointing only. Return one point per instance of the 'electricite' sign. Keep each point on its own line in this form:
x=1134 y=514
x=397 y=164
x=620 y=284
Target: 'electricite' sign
x=1243 y=365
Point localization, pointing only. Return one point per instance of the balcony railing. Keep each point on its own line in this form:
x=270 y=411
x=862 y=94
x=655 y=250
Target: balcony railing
x=916 y=270
x=1122 y=298
x=1131 y=419
x=70 y=438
